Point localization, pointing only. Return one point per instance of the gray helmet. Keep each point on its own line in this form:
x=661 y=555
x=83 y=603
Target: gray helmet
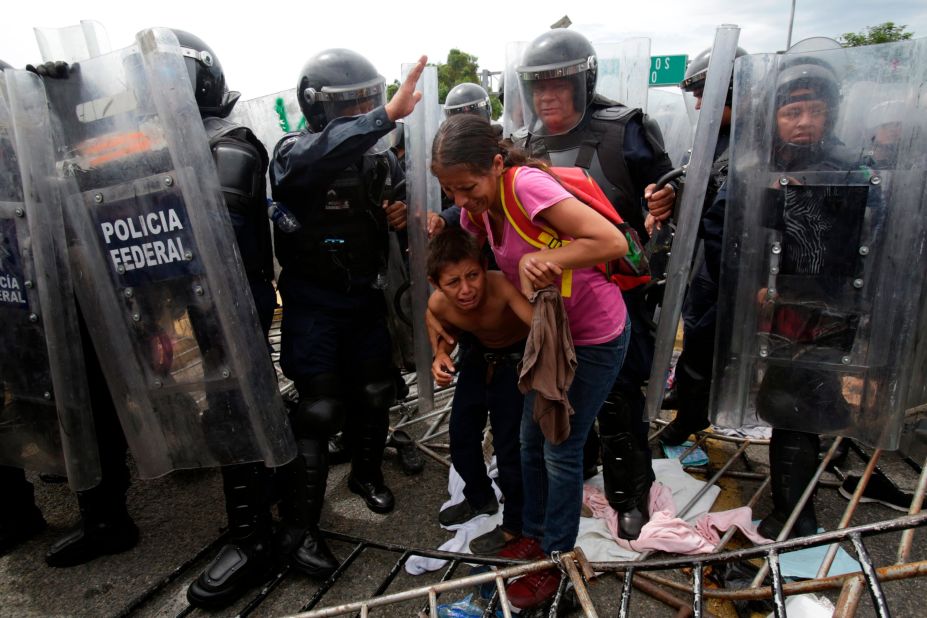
x=561 y=53
x=334 y=82
x=697 y=71
x=468 y=98
x=4 y=66
x=206 y=76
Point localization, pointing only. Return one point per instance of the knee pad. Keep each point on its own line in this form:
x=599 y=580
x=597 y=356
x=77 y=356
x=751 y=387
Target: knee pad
x=378 y=394
x=318 y=417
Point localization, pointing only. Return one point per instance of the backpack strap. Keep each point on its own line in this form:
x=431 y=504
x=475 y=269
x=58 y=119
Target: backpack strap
x=539 y=236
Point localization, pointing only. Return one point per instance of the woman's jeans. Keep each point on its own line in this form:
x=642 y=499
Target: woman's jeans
x=553 y=474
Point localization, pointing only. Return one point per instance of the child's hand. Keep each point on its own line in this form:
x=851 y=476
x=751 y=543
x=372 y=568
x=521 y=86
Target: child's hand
x=442 y=369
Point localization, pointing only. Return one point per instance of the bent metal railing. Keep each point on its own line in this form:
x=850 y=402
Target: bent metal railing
x=646 y=574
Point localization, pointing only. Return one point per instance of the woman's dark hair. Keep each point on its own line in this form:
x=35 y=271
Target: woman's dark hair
x=451 y=246
x=465 y=139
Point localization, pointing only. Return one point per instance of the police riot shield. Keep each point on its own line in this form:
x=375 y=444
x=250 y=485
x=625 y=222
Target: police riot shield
x=46 y=422
x=624 y=71
x=160 y=280
x=820 y=316
x=73 y=43
x=424 y=196
x=689 y=210
x=513 y=110
x=668 y=109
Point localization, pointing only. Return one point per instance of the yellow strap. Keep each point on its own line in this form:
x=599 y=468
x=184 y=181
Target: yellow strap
x=548 y=238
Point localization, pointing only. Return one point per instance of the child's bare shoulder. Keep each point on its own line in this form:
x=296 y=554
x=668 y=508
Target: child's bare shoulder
x=498 y=282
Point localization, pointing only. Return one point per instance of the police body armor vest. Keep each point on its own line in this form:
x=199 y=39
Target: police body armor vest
x=241 y=163
x=344 y=238
x=596 y=145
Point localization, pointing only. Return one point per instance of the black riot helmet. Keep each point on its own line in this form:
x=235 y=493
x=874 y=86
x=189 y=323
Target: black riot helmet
x=697 y=71
x=206 y=76
x=338 y=82
x=558 y=54
x=468 y=98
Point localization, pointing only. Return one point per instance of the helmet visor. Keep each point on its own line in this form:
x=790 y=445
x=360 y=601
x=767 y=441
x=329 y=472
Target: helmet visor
x=554 y=96
x=353 y=99
x=479 y=108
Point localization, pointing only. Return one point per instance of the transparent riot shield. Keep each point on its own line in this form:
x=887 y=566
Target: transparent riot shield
x=160 y=280
x=689 y=210
x=668 y=109
x=424 y=196
x=73 y=43
x=270 y=117
x=46 y=422
x=624 y=71
x=820 y=316
x=513 y=111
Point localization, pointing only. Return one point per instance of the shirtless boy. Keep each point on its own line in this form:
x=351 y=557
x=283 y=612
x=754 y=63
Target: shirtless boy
x=492 y=320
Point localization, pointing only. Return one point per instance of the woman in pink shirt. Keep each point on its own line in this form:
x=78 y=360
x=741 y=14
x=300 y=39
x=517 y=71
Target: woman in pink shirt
x=469 y=161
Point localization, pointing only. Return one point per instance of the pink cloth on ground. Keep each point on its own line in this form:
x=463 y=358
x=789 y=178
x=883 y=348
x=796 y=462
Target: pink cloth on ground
x=596 y=308
x=666 y=532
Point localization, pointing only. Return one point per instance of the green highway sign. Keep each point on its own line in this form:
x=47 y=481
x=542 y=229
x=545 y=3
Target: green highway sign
x=667 y=70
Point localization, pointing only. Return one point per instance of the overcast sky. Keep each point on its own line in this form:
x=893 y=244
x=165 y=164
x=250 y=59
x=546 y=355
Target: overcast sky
x=263 y=45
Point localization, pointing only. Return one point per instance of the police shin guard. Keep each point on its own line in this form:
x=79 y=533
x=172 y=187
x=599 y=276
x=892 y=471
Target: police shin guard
x=366 y=478
x=105 y=528
x=301 y=511
x=20 y=519
x=793 y=460
x=628 y=477
x=246 y=559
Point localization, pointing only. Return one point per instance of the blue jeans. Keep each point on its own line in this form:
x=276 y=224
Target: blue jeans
x=553 y=474
x=481 y=389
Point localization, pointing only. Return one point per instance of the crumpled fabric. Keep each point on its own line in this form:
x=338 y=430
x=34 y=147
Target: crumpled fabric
x=549 y=364
x=667 y=532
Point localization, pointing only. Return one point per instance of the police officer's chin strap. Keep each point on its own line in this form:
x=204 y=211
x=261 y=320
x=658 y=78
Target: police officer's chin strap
x=229 y=99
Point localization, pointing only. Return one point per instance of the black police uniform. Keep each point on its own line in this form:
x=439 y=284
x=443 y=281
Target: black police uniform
x=335 y=342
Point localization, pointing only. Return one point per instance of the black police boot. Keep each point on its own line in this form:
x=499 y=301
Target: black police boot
x=366 y=478
x=793 y=460
x=105 y=528
x=301 y=510
x=246 y=560
x=692 y=389
x=628 y=477
x=20 y=518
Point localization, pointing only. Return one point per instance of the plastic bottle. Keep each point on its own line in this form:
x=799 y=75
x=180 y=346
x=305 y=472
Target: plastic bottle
x=282 y=218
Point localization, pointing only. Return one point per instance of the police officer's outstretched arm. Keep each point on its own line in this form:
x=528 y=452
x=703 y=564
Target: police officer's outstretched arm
x=306 y=159
x=403 y=102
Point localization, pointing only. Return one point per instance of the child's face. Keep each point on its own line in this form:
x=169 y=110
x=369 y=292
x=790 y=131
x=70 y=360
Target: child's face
x=463 y=283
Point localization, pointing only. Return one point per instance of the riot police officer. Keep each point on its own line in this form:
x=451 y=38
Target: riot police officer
x=335 y=343
x=814 y=248
x=20 y=518
x=694 y=366
x=241 y=162
x=569 y=124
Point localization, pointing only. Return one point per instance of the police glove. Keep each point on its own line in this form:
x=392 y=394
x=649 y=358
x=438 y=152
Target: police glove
x=55 y=70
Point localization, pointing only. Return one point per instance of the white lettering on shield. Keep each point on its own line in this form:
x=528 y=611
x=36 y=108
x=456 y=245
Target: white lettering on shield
x=165 y=250
x=10 y=290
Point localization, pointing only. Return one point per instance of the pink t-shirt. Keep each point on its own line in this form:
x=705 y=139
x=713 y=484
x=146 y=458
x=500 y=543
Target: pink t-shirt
x=595 y=308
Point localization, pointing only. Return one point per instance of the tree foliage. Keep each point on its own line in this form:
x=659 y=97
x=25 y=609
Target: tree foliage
x=460 y=67
x=887 y=32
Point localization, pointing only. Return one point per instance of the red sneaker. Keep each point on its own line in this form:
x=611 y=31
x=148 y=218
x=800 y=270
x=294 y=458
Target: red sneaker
x=522 y=548
x=533 y=589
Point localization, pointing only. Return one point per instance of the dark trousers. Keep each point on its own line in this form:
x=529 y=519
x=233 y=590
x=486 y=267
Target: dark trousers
x=487 y=383
x=635 y=372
